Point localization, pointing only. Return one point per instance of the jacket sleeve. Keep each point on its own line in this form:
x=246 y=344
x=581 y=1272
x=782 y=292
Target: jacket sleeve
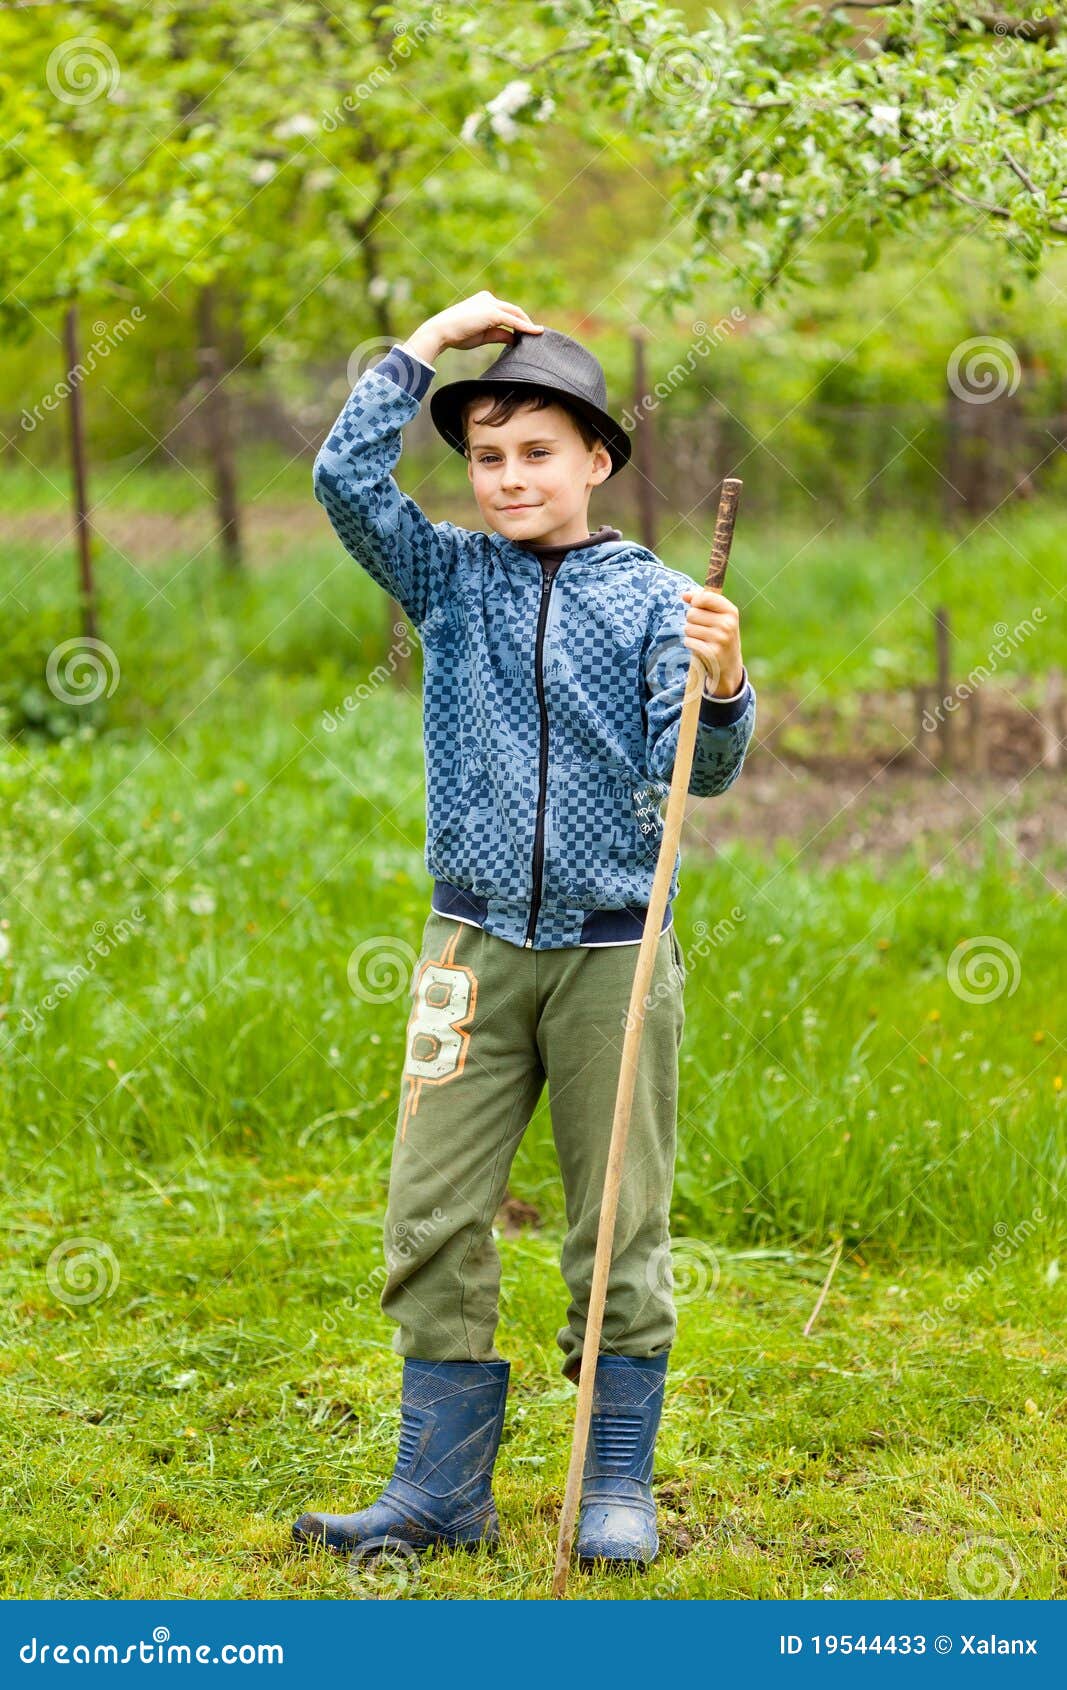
x=382 y=528
x=724 y=725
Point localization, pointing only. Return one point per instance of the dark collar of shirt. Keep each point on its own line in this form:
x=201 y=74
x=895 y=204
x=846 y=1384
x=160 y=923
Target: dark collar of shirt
x=552 y=556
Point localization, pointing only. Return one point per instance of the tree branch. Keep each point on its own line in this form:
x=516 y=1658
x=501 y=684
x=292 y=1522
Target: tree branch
x=1042 y=100
x=993 y=210
x=1022 y=29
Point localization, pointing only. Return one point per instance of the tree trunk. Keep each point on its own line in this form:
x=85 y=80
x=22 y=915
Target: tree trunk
x=218 y=431
x=86 y=584
x=644 y=460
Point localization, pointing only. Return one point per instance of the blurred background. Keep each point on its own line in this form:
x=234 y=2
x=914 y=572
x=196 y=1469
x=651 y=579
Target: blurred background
x=821 y=250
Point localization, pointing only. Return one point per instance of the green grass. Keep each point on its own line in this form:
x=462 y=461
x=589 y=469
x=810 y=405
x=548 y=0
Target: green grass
x=204 y=1096
x=828 y=609
x=159 y=1441
x=833 y=1080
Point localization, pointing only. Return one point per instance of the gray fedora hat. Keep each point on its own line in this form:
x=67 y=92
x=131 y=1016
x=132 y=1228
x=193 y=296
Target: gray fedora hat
x=549 y=362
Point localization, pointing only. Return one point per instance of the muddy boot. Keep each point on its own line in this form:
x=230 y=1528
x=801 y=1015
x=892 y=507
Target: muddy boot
x=617 y=1523
x=451 y=1417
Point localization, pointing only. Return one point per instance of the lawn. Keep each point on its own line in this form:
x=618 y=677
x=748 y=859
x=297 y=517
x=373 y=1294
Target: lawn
x=873 y=1059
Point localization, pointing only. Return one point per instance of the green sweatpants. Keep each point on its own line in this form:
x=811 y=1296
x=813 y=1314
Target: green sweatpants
x=489 y=1023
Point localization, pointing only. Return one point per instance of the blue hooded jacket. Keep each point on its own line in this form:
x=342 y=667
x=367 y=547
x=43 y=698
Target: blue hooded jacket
x=551 y=701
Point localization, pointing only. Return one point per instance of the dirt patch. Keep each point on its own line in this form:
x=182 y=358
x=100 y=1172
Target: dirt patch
x=997 y=730
x=154 y=537
x=833 y=816
x=514 y=1217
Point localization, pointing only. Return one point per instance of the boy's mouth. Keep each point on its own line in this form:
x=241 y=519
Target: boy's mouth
x=513 y=508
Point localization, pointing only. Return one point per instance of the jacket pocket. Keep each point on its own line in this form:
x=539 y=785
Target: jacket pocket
x=481 y=845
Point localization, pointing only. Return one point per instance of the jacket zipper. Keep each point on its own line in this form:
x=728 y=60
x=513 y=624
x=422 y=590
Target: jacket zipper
x=539 y=831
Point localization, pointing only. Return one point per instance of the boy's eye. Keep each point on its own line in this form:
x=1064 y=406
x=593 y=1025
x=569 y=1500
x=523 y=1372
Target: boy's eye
x=534 y=452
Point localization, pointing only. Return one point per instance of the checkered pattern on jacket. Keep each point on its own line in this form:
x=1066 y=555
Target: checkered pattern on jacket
x=614 y=674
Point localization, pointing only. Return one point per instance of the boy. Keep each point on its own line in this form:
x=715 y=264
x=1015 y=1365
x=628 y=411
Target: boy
x=555 y=663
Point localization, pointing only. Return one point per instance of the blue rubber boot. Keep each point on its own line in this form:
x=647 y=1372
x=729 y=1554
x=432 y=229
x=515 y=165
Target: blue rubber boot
x=617 y=1522
x=451 y=1418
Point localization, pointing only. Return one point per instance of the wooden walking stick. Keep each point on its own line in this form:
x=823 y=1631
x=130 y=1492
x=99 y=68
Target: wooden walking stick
x=635 y=1026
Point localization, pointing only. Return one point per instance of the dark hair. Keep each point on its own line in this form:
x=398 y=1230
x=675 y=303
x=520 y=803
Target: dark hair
x=507 y=401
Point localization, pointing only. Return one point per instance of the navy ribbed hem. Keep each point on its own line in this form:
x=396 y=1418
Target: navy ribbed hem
x=405 y=371
x=454 y=901
x=720 y=712
x=600 y=927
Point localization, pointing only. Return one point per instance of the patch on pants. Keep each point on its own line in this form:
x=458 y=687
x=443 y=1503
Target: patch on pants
x=445 y=997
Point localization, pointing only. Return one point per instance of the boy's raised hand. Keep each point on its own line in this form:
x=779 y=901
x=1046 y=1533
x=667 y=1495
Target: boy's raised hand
x=477 y=321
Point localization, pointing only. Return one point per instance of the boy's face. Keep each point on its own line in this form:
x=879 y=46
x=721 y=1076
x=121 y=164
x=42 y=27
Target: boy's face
x=536 y=461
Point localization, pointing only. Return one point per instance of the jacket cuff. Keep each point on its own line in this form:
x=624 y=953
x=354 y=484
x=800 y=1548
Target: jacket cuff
x=720 y=712
x=406 y=371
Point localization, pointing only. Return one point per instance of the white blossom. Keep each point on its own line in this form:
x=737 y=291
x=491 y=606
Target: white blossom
x=378 y=287
x=884 y=120
x=504 y=126
x=510 y=98
x=262 y=171
x=470 y=127
x=299 y=124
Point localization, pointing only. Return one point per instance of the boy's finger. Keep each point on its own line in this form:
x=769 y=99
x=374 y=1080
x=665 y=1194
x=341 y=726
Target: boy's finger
x=707 y=598
x=506 y=305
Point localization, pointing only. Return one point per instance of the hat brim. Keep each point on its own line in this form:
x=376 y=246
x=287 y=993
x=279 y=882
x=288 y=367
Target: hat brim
x=446 y=405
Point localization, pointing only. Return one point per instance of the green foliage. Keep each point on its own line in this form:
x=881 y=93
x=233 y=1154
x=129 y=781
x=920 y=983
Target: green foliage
x=787 y=120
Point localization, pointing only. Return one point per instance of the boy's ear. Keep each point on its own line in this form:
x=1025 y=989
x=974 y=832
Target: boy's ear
x=603 y=468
